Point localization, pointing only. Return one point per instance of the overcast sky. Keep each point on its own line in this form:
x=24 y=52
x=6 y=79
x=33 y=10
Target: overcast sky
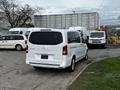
x=106 y=8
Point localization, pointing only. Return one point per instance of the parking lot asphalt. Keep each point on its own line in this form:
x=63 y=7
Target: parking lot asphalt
x=16 y=75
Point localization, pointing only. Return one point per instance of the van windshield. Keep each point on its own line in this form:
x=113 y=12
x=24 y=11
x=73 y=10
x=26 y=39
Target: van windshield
x=97 y=34
x=27 y=34
x=14 y=32
x=46 y=38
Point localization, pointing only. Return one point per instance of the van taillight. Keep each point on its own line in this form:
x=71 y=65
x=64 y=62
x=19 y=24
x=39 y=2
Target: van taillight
x=65 y=50
x=27 y=49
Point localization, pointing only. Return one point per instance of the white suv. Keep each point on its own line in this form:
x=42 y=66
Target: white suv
x=55 y=48
x=18 y=42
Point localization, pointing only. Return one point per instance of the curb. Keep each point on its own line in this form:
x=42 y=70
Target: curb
x=78 y=75
x=93 y=61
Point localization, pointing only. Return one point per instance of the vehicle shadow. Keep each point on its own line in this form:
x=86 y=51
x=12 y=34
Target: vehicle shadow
x=109 y=46
x=40 y=70
x=9 y=50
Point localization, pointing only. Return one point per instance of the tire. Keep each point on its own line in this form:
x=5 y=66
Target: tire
x=104 y=46
x=18 y=47
x=86 y=56
x=72 y=66
x=37 y=68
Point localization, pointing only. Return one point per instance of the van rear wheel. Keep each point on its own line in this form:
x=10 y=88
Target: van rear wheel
x=104 y=46
x=72 y=66
x=18 y=47
x=86 y=56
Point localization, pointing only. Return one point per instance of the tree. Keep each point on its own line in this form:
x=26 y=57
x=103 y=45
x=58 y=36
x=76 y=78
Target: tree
x=17 y=16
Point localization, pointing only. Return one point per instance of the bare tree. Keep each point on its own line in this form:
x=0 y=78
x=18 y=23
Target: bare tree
x=17 y=16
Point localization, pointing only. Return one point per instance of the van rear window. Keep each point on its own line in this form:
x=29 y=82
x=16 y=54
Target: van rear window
x=46 y=38
x=14 y=32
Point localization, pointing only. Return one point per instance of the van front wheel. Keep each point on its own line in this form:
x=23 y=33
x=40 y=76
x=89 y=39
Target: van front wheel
x=36 y=67
x=104 y=46
x=72 y=66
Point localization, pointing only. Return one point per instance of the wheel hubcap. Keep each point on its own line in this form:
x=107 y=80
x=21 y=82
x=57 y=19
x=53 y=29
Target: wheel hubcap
x=18 y=48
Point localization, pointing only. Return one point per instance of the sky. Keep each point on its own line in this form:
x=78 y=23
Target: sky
x=107 y=9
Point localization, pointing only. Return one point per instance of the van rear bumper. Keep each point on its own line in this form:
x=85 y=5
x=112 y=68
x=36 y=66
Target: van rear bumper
x=98 y=44
x=48 y=65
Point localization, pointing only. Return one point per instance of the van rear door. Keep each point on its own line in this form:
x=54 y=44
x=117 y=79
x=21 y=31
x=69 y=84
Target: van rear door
x=45 y=46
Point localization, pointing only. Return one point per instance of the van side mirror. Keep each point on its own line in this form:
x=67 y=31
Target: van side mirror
x=21 y=32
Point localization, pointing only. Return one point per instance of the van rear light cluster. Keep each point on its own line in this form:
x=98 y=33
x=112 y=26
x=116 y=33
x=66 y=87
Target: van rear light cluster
x=65 y=50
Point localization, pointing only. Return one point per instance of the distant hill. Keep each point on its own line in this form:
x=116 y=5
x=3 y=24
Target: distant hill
x=110 y=22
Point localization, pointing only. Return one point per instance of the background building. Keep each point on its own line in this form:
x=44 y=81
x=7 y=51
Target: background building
x=64 y=21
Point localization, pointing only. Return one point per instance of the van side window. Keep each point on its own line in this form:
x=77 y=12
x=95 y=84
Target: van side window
x=70 y=35
x=27 y=34
x=14 y=32
x=73 y=37
x=77 y=37
x=6 y=37
x=17 y=38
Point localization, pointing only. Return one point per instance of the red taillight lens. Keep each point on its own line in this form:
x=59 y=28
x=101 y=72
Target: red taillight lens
x=65 y=50
x=27 y=49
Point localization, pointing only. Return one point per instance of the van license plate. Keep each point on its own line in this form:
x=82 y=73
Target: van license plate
x=44 y=56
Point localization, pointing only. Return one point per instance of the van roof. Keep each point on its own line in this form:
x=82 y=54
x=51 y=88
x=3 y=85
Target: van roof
x=36 y=29
x=78 y=27
x=60 y=30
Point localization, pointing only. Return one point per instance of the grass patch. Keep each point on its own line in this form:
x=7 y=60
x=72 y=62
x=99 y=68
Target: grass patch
x=103 y=75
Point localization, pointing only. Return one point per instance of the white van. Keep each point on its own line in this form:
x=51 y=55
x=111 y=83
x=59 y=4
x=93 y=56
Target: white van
x=54 y=48
x=18 y=31
x=85 y=32
x=97 y=38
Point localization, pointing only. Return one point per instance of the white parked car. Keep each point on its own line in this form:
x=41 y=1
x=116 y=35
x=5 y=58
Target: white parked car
x=54 y=48
x=97 y=38
x=13 y=41
x=18 y=30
